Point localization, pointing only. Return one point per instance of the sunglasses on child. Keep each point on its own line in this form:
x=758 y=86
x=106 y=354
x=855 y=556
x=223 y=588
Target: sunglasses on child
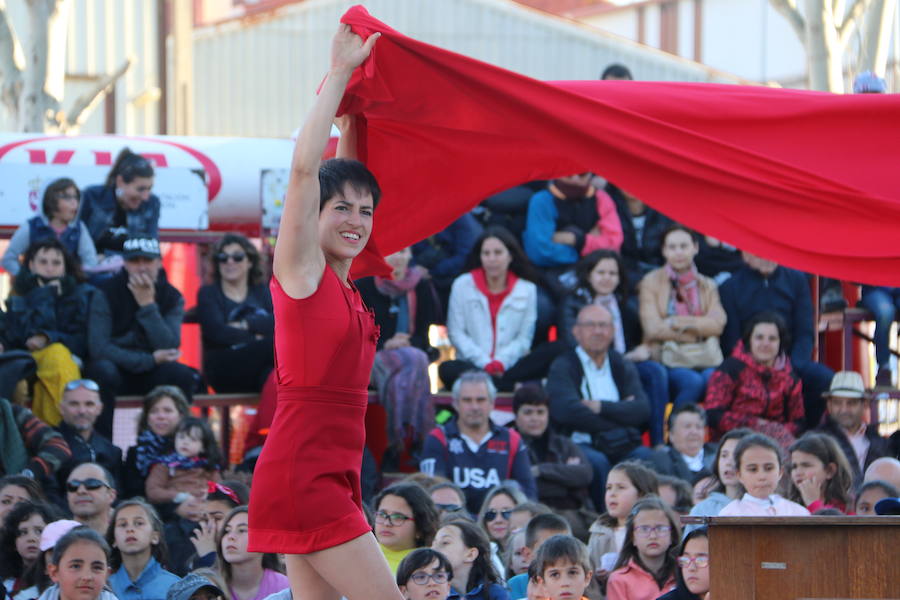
x=421 y=577
x=492 y=514
x=448 y=507
x=91 y=484
x=238 y=257
x=88 y=384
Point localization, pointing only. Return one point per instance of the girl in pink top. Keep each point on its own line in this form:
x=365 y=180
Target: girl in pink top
x=758 y=460
x=646 y=566
x=820 y=474
x=248 y=575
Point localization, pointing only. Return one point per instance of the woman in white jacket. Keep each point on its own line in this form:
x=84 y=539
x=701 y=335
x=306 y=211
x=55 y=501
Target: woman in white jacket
x=492 y=314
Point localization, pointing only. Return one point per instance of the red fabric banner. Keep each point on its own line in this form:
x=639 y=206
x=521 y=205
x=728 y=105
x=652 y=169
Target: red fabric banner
x=803 y=178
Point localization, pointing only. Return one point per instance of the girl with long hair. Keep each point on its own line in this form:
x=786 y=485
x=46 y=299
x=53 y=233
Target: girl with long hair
x=492 y=315
x=467 y=548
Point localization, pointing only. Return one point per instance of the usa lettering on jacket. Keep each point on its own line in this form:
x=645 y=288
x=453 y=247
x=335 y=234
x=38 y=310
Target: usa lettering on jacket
x=474 y=477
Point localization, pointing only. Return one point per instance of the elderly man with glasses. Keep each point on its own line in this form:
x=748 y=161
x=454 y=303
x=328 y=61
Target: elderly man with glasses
x=90 y=494
x=80 y=408
x=596 y=397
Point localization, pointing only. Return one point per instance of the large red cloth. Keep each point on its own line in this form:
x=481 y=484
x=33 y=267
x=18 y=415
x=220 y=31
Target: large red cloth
x=803 y=178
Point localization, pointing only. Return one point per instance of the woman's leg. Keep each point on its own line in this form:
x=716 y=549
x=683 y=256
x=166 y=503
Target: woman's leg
x=240 y=369
x=655 y=380
x=356 y=570
x=686 y=386
x=879 y=301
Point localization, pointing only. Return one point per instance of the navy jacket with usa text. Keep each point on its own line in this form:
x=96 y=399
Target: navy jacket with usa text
x=502 y=456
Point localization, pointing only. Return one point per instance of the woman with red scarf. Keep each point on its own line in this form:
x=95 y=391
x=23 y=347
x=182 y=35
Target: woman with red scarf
x=492 y=315
x=405 y=306
x=679 y=306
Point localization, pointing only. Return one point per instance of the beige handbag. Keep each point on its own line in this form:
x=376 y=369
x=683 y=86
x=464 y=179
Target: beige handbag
x=692 y=355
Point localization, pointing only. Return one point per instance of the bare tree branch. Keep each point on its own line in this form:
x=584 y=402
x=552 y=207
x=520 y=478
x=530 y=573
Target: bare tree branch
x=788 y=8
x=87 y=102
x=848 y=26
x=839 y=10
x=12 y=64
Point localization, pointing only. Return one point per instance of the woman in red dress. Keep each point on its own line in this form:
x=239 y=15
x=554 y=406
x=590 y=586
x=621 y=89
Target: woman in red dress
x=305 y=500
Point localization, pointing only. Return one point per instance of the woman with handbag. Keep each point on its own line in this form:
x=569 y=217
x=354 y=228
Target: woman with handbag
x=682 y=318
x=756 y=386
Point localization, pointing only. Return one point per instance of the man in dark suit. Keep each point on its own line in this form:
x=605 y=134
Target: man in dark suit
x=686 y=456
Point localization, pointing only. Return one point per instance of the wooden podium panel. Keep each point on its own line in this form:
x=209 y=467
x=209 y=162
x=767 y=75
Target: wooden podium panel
x=794 y=558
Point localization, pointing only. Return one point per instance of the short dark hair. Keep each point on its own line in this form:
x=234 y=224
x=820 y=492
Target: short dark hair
x=107 y=474
x=11 y=563
x=425 y=513
x=555 y=549
x=71 y=262
x=878 y=484
x=211 y=451
x=530 y=393
x=617 y=70
x=545 y=522
x=337 y=173
x=130 y=166
x=255 y=274
x=418 y=559
x=694 y=409
x=756 y=440
x=769 y=316
x=678 y=227
x=78 y=534
x=50 y=201
x=449 y=485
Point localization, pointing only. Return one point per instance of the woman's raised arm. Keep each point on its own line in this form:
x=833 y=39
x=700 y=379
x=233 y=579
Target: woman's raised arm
x=299 y=261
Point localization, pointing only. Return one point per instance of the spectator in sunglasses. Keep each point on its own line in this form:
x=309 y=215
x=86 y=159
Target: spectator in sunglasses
x=448 y=498
x=236 y=319
x=496 y=510
x=80 y=408
x=91 y=492
x=405 y=519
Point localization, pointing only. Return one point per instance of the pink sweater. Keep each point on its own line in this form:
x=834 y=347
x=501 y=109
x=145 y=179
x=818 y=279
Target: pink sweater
x=773 y=506
x=631 y=582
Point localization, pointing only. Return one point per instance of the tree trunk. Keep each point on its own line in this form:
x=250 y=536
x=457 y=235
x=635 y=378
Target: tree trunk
x=44 y=79
x=823 y=48
x=876 y=36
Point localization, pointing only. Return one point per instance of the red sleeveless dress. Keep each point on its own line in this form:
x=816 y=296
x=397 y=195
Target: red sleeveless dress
x=306 y=494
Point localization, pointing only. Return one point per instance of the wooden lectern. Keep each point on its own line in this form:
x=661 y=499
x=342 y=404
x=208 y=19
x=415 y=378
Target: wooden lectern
x=794 y=558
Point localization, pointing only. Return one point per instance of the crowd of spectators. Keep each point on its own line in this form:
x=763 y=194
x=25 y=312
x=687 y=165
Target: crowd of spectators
x=654 y=373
